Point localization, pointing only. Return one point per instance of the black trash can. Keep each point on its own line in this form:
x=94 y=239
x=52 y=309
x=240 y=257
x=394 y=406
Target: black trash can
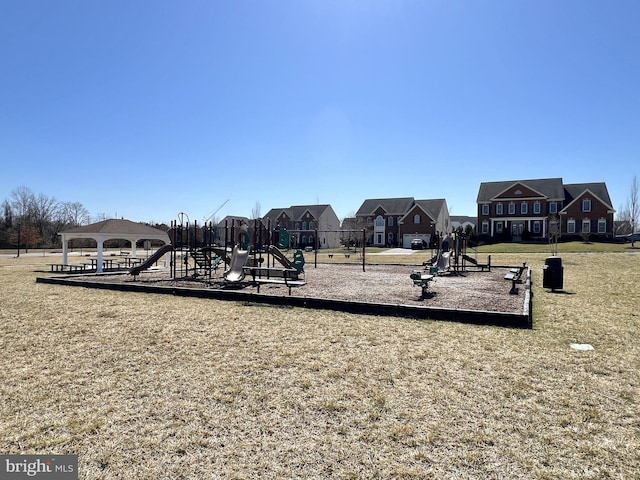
x=552 y=273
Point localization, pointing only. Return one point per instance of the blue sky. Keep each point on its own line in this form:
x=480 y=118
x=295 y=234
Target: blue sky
x=144 y=109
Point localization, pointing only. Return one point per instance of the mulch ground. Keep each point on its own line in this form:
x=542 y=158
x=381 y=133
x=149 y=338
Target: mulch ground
x=379 y=284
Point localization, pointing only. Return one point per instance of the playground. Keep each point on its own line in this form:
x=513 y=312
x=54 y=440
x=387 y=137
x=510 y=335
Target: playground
x=256 y=262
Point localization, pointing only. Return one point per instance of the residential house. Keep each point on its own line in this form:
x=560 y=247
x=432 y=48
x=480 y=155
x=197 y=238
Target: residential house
x=463 y=222
x=529 y=209
x=397 y=221
x=303 y=221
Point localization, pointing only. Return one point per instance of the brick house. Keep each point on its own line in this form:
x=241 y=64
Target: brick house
x=521 y=209
x=302 y=221
x=397 y=221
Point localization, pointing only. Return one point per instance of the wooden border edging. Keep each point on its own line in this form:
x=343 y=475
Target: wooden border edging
x=476 y=317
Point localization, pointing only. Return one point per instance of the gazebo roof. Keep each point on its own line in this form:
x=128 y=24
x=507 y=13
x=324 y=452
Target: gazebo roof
x=116 y=228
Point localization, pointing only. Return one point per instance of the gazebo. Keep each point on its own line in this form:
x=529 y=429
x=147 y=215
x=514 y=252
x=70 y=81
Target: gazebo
x=112 y=229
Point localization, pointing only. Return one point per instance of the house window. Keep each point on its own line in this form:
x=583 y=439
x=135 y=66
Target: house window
x=602 y=226
x=499 y=227
x=305 y=226
x=499 y=209
x=536 y=227
x=312 y=240
x=485 y=227
x=524 y=208
x=390 y=239
x=512 y=209
x=553 y=207
x=390 y=221
x=571 y=226
x=297 y=225
x=586 y=226
x=416 y=218
x=379 y=221
x=369 y=221
x=586 y=205
x=537 y=208
x=485 y=209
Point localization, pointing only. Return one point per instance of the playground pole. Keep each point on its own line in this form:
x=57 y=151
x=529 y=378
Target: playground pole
x=364 y=243
x=315 y=262
x=226 y=227
x=172 y=266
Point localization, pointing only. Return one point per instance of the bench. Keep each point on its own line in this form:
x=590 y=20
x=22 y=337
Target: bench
x=283 y=276
x=515 y=275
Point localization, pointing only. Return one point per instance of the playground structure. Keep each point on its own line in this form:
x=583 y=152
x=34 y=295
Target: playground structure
x=245 y=254
x=452 y=258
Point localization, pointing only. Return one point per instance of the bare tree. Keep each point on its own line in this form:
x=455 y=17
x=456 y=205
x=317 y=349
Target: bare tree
x=633 y=207
x=44 y=211
x=255 y=212
x=100 y=217
x=22 y=201
x=74 y=214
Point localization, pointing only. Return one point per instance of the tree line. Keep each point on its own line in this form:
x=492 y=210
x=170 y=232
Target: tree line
x=31 y=220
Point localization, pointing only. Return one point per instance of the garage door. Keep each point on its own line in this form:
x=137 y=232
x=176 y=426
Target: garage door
x=406 y=239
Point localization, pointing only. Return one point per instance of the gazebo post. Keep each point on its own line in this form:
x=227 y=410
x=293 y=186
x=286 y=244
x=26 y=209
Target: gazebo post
x=64 y=249
x=100 y=241
x=133 y=247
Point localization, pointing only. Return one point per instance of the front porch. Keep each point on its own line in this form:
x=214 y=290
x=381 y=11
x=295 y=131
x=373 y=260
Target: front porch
x=517 y=228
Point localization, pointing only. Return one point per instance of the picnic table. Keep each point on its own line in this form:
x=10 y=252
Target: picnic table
x=107 y=263
x=66 y=267
x=129 y=262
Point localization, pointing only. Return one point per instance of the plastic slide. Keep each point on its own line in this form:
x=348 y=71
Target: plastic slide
x=151 y=260
x=238 y=261
x=298 y=259
x=281 y=257
x=443 y=261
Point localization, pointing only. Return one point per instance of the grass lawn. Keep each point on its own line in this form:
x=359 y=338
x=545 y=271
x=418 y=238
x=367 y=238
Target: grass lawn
x=154 y=387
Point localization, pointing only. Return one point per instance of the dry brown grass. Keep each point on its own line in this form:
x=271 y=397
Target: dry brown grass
x=149 y=386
